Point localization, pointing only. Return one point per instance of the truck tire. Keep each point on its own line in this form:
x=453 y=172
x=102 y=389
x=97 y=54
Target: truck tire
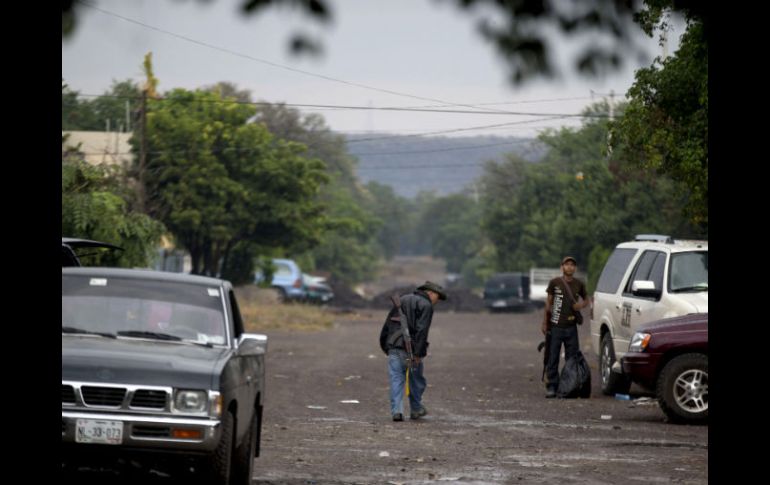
x=220 y=463
x=612 y=382
x=683 y=387
x=243 y=461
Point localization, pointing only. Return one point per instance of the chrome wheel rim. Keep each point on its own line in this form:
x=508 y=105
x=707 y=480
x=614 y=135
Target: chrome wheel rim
x=691 y=391
x=606 y=364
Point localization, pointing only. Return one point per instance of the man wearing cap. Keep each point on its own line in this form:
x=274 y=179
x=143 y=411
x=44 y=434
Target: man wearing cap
x=417 y=307
x=559 y=319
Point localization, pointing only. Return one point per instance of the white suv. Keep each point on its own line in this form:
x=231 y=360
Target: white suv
x=647 y=279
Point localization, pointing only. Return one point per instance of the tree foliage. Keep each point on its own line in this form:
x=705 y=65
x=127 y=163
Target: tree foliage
x=451 y=226
x=111 y=109
x=348 y=249
x=216 y=180
x=665 y=127
x=397 y=217
x=95 y=206
x=576 y=201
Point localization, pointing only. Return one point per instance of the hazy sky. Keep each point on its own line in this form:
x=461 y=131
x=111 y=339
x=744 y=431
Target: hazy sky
x=417 y=48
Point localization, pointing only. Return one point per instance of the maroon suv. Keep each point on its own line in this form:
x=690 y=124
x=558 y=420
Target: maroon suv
x=670 y=357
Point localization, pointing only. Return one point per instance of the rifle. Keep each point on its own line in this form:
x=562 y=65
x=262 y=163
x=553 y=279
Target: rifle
x=547 y=354
x=400 y=317
x=546 y=344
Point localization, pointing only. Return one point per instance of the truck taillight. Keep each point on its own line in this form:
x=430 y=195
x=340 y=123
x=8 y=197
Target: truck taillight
x=297 y=283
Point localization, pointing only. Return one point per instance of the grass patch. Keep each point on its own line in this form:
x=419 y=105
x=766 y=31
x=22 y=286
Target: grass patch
x=261 y=311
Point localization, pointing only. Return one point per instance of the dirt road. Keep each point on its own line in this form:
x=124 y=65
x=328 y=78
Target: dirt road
x=327 y=418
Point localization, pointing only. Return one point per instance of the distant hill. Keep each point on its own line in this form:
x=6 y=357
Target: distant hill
x=441 y=164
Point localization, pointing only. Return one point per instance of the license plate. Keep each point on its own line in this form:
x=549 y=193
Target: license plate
x=498 y=304
x=99 y=431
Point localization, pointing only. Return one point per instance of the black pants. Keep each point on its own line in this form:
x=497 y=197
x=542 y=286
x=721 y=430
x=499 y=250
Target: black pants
x=559 y=335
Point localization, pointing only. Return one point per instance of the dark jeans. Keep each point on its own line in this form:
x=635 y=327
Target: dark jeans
x=559 y=335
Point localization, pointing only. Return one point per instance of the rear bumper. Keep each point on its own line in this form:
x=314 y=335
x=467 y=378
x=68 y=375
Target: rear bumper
x=148 y=432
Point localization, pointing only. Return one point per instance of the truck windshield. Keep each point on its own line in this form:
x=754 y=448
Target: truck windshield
x=138 y=308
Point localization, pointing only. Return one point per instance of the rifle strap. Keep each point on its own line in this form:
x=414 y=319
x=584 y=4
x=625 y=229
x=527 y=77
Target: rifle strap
x=569 y=290
x=402 y=317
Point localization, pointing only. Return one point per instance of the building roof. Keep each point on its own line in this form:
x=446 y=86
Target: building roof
x=100 y=147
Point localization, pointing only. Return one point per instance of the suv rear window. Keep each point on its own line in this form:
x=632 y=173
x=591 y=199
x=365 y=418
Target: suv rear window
x=613 y=271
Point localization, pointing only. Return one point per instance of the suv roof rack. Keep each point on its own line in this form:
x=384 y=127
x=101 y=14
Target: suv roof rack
x=654 y=238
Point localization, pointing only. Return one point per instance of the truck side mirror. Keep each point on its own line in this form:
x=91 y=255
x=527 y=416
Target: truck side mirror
x=252 y=343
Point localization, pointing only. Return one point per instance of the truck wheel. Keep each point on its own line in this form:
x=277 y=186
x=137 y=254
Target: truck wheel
x=243 y=463
x=683 y=388
x=220 y=462
x=612 y=382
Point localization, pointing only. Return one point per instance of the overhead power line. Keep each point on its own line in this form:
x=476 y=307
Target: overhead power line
x=370 y=108
x=452 y=149
x=269 y=63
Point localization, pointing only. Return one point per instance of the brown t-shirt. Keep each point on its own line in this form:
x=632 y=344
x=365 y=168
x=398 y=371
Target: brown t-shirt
x=562 y=314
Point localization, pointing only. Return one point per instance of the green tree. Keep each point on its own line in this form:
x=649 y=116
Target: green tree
x=575 y=201
x=75 y=114
x=111 y=108
x=665 y=126
x=451 y=226
x=95 y=206
x=117 y=104
x=396 y=216
x=216 y=180
x=348 y=248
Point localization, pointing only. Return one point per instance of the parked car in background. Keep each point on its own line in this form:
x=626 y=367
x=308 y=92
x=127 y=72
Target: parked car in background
x=158 y=370
x=671 y=358
x=644 y=280
x=70 y=249
x=538 y=283
x=317 y=290
x=287 y=280
x=507 y=291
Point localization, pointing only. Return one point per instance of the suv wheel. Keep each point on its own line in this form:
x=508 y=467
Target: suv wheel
x=612 y=382
x=683 y=388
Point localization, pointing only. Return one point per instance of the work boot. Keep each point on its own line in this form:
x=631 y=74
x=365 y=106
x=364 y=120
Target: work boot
x=398 y=417
x=419 y=413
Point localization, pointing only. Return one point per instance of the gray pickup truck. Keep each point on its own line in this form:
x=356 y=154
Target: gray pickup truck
x=157 y=370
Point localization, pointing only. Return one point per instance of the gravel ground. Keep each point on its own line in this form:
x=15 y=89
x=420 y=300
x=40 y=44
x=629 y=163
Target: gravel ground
x=327 y=417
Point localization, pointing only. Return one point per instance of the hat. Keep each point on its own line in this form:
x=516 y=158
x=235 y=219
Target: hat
x=569 y=258
x=430 y=286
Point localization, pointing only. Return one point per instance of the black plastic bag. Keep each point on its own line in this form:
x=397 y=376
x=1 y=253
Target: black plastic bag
x=575 y=378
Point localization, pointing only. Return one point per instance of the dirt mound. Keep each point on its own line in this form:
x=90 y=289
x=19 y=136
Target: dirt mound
x=458 y=299
x=402 y=275
x=345 y=298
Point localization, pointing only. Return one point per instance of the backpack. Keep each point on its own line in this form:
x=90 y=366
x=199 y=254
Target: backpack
x=575 y=378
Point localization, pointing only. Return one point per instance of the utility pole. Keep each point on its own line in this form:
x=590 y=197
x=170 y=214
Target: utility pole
x=140 y=195
x=612 y=118
x=128 y=116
